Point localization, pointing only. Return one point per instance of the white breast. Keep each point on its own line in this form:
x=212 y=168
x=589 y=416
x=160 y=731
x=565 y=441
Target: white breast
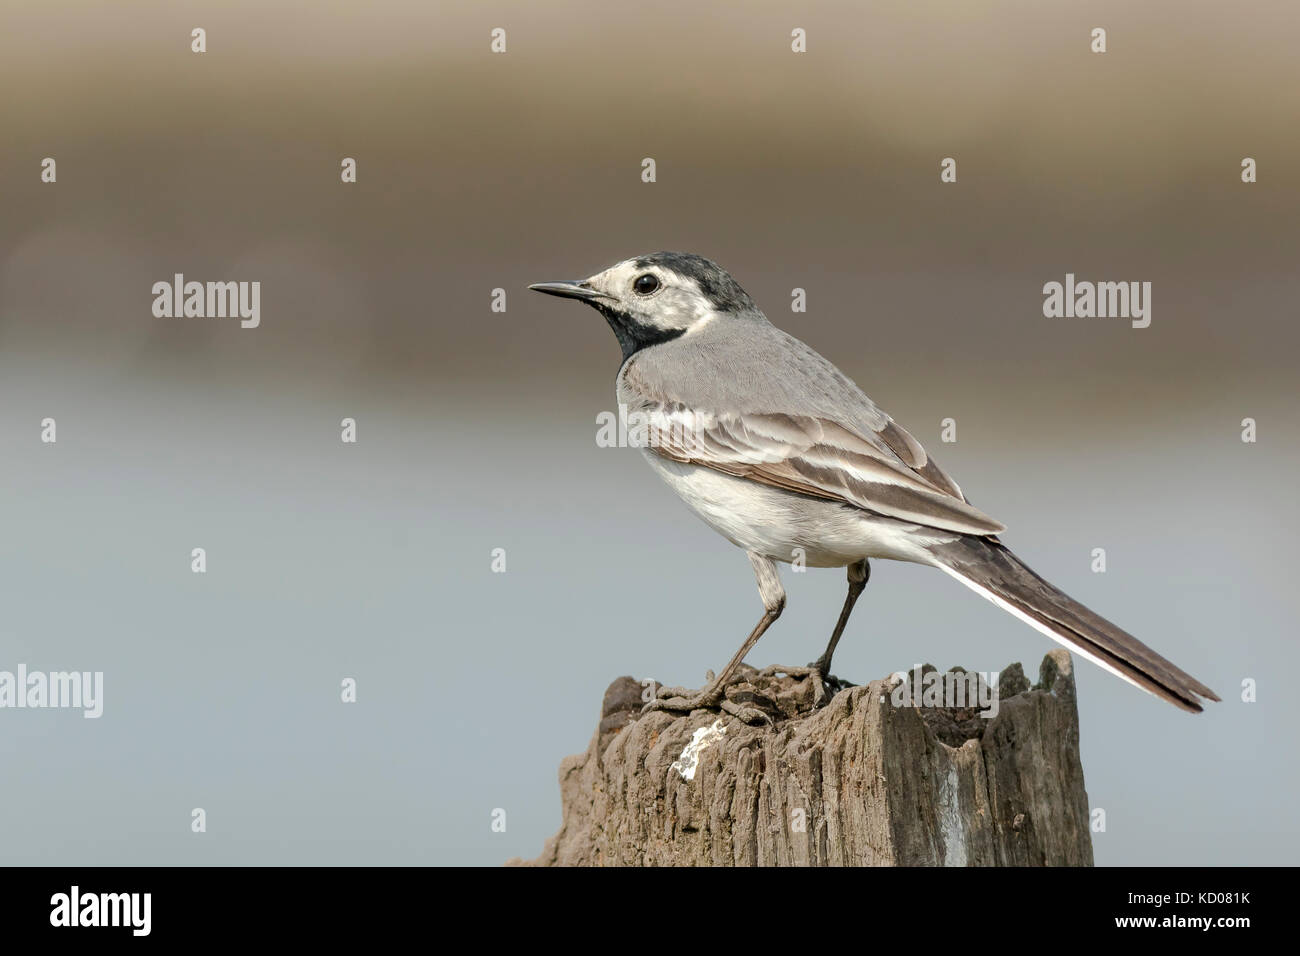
x=776 y=523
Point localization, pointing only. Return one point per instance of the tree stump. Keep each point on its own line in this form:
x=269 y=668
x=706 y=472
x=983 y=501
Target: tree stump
x=860 y=781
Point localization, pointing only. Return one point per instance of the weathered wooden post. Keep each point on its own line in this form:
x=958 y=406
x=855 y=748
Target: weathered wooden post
x=862 y=781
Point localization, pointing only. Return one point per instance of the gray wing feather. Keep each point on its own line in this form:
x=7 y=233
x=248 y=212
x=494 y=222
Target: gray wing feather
x=766 y=407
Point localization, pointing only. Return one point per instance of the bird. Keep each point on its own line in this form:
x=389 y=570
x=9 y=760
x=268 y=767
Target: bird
x=782 y=454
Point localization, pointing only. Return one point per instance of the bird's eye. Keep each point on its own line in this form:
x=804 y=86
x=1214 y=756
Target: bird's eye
x=645 y=284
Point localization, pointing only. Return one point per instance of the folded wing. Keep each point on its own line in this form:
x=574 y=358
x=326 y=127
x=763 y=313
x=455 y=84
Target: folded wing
x=885 y=472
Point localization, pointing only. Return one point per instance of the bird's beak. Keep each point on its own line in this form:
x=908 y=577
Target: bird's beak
x=570 y=290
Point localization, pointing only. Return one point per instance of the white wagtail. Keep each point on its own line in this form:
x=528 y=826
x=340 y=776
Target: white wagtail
x=779 y=452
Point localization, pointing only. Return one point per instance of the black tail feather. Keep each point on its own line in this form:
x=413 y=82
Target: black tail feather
x=995 y=571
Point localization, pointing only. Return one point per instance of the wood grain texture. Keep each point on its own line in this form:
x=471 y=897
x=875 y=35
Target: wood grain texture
x=861 y=781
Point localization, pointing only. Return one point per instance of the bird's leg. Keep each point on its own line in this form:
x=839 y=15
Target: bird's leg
x=859 y=573
x=773 y=595
x=820 y=669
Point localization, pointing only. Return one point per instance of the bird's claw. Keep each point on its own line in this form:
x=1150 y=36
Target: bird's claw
x=687 y=702
x=745 y=713
x=746 y=704
x=811 y=671
x=679 y=700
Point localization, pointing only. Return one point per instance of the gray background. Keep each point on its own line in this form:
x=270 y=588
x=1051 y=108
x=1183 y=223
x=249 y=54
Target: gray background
x=477 y=429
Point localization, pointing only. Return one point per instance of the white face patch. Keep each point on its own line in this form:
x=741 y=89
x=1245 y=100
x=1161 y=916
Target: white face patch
x=701 y=323
x=678 y=303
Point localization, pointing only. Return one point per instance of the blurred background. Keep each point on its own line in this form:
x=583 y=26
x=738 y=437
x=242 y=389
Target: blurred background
x=476 y=430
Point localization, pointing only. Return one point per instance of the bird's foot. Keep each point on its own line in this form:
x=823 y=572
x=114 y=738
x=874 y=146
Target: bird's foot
x=809 y=672
x=755 y=696
x=833 y=684
x=682 y=701
x=713 y=697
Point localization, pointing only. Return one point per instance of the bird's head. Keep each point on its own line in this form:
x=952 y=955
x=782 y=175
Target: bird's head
x=657 y=298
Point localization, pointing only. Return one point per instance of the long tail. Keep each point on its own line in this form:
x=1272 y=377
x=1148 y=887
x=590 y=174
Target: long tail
x=990 y=569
